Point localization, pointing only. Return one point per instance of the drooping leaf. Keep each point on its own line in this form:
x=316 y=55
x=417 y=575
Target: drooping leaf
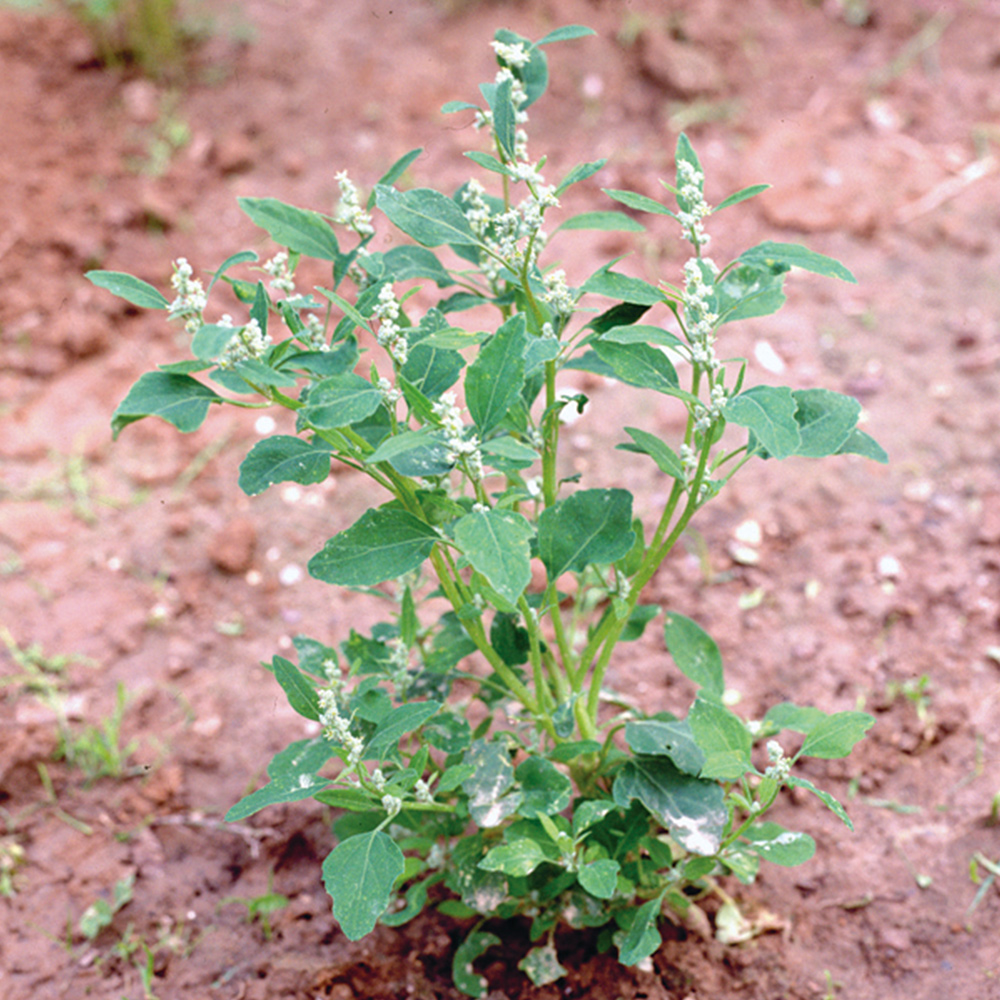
x=695 y=652
x=590 y=526
x=382 y=545
x=282 y=459
x=179 y=399
x=768 y=254
x=836 y=735
x=426 y=215
x=359 y=873
x=293 y=777
x=661 y=453
x=769 y=412
x=545 y=788
x=722 y=736
x=299 y=229
x=131 y=289
x=693 y=810
x=493 y=381
x=496 y=544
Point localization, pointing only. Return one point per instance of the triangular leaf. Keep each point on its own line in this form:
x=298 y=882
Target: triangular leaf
x=359 y=873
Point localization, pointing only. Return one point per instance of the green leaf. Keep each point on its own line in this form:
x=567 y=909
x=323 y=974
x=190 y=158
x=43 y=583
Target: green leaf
x=282 y=459
x=519 y=858
x=769 y=412
x=243 y=257
x=769 y=254
x=566 y=752
x=449 y=733
x=639 y=365
x=178 y=399
x=359 y=873
x=396 y=171
x=748 y=292
x=642 y=938
x=579 y=173
x=496 y=544
x=566 y=33
x=475 y=945
x=432 y=369
x=494 y=380
x=662 y=454
x=404 y=263
x=741 y=195
x=685 y=153
x=694 y=811
x=783 y=847
x=639 y=202
x=799 y=719
x=825 y=420
x=545 y=788
x=589 y=812
x=498 y=96
x=301 y=693
x=695 y=652
x=131 y=289
x=825 y=797
x=599 y=878
x=426 y=215
x=382 y=545
x=211 y=340
x=836 y=735
x=675 y=740
x=535 y=73
x=400 y=721
x=414 y=453
x=352 y=313
x=620 y=286
x=488 y=788
x=860 y=443
x=506 y=453
x=339 y=401
x=293 y=777
x=299 y=229
x=723 y=737
x=617 y=222
x=642 y=333
x=541 y=965
x=415 y=900
x=590 y=526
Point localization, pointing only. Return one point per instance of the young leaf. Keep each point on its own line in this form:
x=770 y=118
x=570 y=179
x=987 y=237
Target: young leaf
x=579 y=173
x=825 y=420
x=694 y=811
x=695 y=652
x=301 y=693
x=299 y=229
x=282 y=459
x=243 y=257
x=639 y=202
x=466 y=979
x=397 y=170
x=603 y=221
x=742 y=195
x=665 y=457
x=496 y=544
x=566 y=33
x=723 y=737
x=382 y=545
x=131 y=289
x=769 y=412
x=293 y=777
x=493 y=381
x=178 y=399
x=498 y=96
x=836 y=735
x=359 y=873
x=519 y=858
x=428 y=216
x=599 y=878
x=825 y=797
x=545 y=788
x=783 y=847
x=591 y=526
x=770 y=254
x=642 y=938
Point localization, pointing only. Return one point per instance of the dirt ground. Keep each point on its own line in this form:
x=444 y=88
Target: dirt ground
x=141 y=564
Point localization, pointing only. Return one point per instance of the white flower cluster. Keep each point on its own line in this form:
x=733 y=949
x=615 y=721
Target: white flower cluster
x=389 y=335
x=315 y=332
x=557 y=293
x=512 y=53
x=191 y=298
x=780 y=764
x=422 y=791
x=460 y=448
x=336 y=728
x=390 y=393
x=691 y=181
x=249 y=341
x=281 y=276
x=699 y=320
x=349 y=211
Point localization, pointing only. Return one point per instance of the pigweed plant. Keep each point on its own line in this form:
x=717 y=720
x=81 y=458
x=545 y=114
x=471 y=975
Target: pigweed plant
x=468 y=741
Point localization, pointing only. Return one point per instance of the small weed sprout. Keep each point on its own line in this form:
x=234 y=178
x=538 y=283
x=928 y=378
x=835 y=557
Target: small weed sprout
x=548 y=800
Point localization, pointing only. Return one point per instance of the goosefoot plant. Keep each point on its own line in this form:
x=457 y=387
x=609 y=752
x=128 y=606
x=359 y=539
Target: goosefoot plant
x=479 y=762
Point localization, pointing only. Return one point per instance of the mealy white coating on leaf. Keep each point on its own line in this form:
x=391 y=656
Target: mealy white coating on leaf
x=692 y=835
